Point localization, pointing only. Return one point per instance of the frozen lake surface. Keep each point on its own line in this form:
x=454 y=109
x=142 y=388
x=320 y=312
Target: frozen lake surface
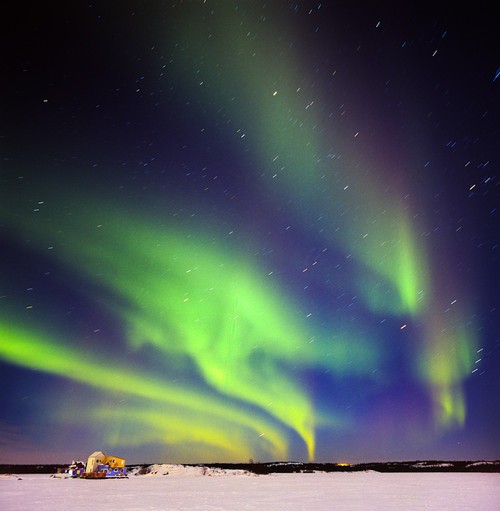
x=183 y=490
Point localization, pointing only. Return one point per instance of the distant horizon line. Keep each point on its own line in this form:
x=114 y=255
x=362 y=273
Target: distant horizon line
x=289 y=462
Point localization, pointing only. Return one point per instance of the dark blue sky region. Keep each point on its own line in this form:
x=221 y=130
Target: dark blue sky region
x=249 y=230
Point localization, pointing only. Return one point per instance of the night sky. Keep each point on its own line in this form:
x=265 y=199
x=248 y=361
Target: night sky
x=249 y=230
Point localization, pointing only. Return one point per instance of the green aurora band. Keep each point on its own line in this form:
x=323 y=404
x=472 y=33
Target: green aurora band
x=186 y=407
x=194 y=303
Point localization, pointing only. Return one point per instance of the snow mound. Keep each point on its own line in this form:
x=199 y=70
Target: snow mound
x=425 y=464
x=481 y=463
x=165 y=469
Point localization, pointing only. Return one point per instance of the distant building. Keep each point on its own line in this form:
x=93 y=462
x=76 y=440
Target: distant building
x=99 y=465
x=76 y=469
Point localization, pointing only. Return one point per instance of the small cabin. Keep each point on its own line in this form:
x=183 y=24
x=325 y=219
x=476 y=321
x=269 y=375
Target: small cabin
x=95 y=459
x=99 y=465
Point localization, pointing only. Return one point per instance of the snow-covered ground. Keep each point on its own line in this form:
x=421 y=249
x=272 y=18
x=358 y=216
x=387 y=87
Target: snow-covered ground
x=192 y=488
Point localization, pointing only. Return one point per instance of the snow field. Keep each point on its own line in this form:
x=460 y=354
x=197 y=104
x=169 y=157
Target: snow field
x=189 y=490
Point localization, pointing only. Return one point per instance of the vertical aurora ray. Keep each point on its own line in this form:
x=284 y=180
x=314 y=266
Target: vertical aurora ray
x=445 y=362
x=241 y=63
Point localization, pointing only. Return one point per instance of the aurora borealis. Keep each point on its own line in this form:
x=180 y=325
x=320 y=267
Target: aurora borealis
x=246 y=230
